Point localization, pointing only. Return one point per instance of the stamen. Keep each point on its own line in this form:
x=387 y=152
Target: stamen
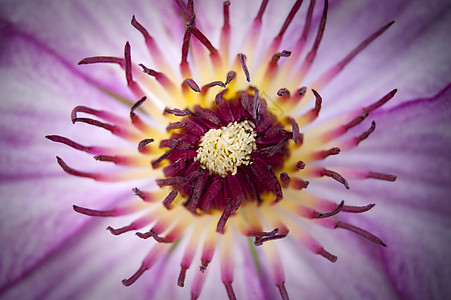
x=366 y=134
x=175 y=125
x=204 y=40
x=357 y=209
x=319 y=215
x=226 y=213
x=142 y=145
x=275 y=58
x=156 y=162
x=152 y=233
x=70 y=143
x=74 y=172
x=182 y=276
x=277 y=189
x=283 y=92
x=285 y=179
x=299 y=184
x=300 y=165
x=361 y=232
x=230 y=76
x=134 y=277
x=220 y=96
x=176 y=112
x=327 y=255
x=381 y=102
x=262 y=237
x=103 y=59
x=229 y=290
x=295 y=128
x=95 y=213
x=334 y=175
x=308 y=21
x=122 y=229
x=211 y=192
x=335 y=70
x=169 y=198
x=226 y=14
x=381 y=176
x=145 y=196
x=289 y=18
x=262 y=9
x=191 y=84
x=244 y=66
x=319 y=36
x=283 y=291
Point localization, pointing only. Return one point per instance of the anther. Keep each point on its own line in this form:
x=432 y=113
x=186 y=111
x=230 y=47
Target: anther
x=143 y=143
x=381 y=102
x=94 y=213
x=220 y=96
x=191 y=84
x=244 y=66
x=285 y=179
x=334 y=175
x=357 y=209
x=327 y=255
x=169 y=199
x=283 y=92
x=295 y=128
x=366 y=134
x=319 y=215
x=176 y=112
x=230 y=76
x=300 y=165
x=275 y=58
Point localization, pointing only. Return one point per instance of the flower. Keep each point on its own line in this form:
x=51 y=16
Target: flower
x=266 y=204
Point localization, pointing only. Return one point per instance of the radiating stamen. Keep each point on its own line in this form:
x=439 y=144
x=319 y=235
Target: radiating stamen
x=360 y=232
x=330 y=74
x=103 y=59
x=244 y=66
x=319 y=215
x=357 y=209
x=156 y=162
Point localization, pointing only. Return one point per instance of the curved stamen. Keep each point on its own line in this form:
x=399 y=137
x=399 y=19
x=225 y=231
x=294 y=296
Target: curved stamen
x=319 y=215
x=244 y=66
x=156 y=162
x=357 y=209
x=103 y=59
x=363 y=233
x=334 y=175
x=191 y=84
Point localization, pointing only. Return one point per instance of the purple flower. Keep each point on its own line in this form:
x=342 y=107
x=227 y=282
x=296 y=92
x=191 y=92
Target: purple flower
x=260 y=126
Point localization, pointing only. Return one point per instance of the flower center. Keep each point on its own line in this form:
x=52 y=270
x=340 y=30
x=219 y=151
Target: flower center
x=225 y=149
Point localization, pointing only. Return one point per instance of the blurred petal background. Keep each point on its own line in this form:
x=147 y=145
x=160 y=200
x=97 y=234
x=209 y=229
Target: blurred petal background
x=50 y=252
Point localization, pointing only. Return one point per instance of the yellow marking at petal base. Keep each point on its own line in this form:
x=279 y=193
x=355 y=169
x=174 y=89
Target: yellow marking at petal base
x=150 y=84
x=247 y=220
x=129 y=175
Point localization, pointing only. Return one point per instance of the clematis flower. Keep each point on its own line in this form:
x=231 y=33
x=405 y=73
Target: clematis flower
x=242 y=158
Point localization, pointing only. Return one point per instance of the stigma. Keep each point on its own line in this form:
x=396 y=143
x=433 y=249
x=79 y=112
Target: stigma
x=225 y=149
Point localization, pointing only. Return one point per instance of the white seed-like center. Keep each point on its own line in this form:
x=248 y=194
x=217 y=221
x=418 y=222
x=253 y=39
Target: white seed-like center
x=225 y=149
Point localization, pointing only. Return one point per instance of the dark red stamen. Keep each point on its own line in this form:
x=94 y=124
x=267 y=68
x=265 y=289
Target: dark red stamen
x=94 y=213
x=381 y=102
x=191 y=84
x=308 y=20
x=319 y=35
x=103 y=59
x=300 y=165
x=204 y=40
x=381 y=176
x=143 y=195
x=226 y=213
x=176 y=112
x=211 y=192
x=128 y=64
x=325 y=153
x=363 y=45
x=230 y=76
x=277 y=189
x=354 y=122
x=229 y=290
x=244 y=66
x=327 y=255
x=154 y=235
x=283 y=291
x=74 y=172
x=262 y=9
x=185 y=47
x=169 y=198
x=289 y=18
x=175 y=125
x=318 y=102
x=204 y=89
x=319 y=215
x=295 y=128
x=87 y=110
x=177 y=181
x=220 y=96
x=121 y=230
x=136 y=105
x=156 y=162
x=182 y=276
x=285 y=179
x=283 y=92
x=134 y=277
x=357 y=209
x=226 y=14
x=70 y=143
x=366 y=134
x=97 y=123
x=361 y=232
x=142 y=145
x=275 y=58
x=336 y=176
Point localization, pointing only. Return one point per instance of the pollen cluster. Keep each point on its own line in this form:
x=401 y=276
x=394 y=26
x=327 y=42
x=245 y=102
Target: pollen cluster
x=225 y=149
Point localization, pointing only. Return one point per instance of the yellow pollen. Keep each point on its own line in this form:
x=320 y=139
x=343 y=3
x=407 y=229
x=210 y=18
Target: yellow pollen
x=225 y=149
